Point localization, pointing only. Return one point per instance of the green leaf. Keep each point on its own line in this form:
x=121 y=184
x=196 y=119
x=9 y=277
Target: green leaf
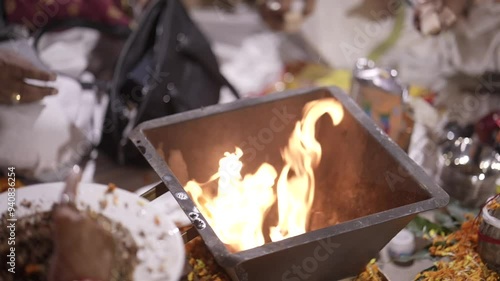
x=432 y=268
x=447 y=220
x=420 y=226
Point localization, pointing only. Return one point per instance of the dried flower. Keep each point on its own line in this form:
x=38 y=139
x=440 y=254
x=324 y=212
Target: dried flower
x=464 y=263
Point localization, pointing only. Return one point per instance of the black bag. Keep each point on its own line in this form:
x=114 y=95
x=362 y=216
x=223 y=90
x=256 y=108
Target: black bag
x=166 y=67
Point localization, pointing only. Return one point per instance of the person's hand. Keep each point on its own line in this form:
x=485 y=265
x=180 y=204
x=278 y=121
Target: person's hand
x=434 y=16
x=274 y=12
x=83 y=250
x=14 y=69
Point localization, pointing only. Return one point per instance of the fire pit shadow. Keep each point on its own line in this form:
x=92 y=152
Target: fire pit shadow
x=366 y=188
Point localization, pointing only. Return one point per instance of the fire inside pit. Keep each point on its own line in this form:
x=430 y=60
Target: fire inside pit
x=238 y=206
x=292 y=186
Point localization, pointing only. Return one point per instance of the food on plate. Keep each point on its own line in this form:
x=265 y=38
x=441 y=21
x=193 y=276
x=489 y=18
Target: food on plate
x=124 y=230
x=35 y=245
x=111 y=187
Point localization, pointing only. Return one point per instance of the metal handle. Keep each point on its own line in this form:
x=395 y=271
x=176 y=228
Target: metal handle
x=158 y=190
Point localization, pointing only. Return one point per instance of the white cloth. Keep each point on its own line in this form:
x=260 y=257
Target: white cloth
x=44 y=139
x=474 y=45
x=256 y=65
x=67 y=52
x=251 y=56
x=471 y=47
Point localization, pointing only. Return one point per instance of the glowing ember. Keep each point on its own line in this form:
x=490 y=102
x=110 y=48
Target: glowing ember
x=237 y=210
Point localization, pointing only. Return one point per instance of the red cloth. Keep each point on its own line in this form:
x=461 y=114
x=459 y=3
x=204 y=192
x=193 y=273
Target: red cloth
x=35 y=14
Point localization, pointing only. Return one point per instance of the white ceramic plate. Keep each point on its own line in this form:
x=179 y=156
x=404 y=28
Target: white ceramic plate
x=168 y=206
x=161 y=250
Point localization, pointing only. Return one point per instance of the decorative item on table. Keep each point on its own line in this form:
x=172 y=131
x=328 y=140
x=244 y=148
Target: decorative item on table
x=459 y=259
x=372 y=272
x=401 y=247
x=468 y=164
x=378 y=91
x=489 y=234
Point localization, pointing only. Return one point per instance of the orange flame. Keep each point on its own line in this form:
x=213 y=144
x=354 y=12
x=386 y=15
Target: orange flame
x=238 y=209
x=230 y=212
x=296 y=183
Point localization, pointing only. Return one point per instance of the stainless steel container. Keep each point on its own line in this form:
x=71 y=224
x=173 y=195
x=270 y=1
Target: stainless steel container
x=368 y=188
x=468 y=170
x=379 y=93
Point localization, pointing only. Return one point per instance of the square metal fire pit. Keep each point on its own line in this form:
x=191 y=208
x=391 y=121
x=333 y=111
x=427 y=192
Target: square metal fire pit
x=367 y=188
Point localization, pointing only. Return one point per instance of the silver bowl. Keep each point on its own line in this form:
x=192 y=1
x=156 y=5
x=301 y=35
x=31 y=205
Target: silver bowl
x=468 y=171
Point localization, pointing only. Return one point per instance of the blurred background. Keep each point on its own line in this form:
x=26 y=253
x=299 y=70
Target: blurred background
x=77 y=77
